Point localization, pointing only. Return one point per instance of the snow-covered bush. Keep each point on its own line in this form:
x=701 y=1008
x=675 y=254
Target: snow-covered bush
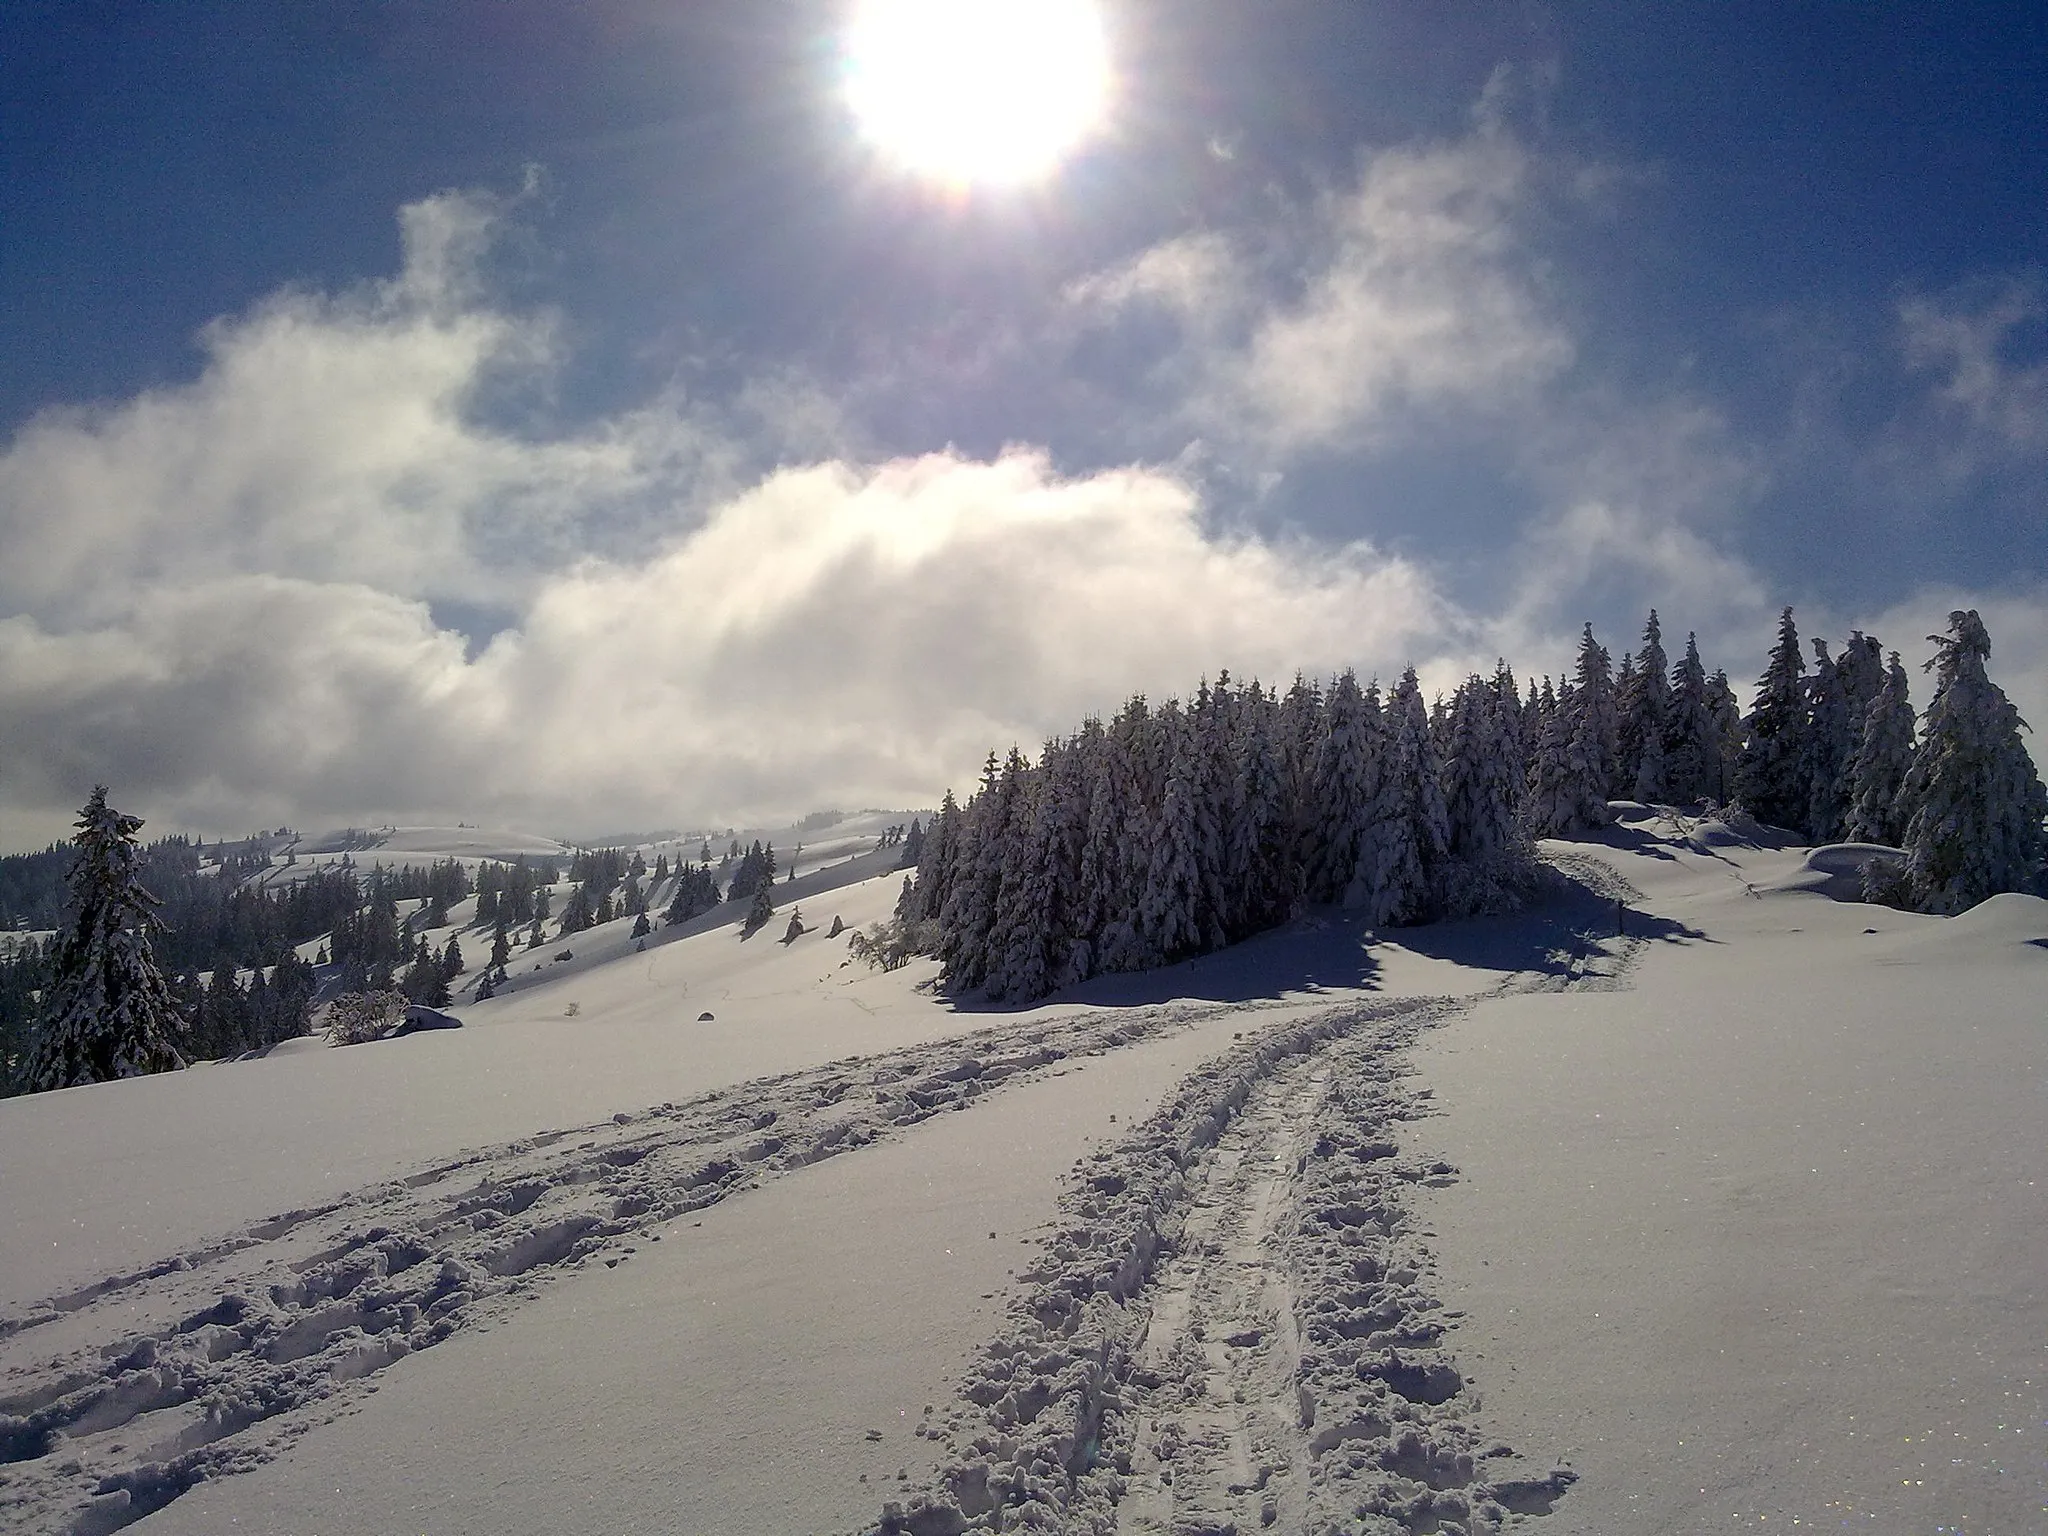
x=893 y=942
x=1887 y=883
x=356 y=1017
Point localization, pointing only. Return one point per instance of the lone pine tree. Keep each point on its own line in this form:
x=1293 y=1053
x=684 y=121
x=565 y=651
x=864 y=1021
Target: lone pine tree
x=111 y=1013
x=1975 y=803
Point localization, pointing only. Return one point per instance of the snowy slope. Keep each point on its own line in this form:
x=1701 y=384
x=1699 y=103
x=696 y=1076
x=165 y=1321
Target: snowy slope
x=1735 y=1213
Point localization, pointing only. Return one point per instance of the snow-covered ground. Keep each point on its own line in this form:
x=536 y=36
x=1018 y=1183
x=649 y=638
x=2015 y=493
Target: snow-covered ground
x=1731 y=1220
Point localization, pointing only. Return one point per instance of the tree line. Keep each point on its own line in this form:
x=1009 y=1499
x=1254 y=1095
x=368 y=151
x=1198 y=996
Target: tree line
x=1164 y=833
x=1174 y=831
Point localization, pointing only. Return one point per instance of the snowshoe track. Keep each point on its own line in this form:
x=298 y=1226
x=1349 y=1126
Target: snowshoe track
x=120 y=1395
x=1234 y=1327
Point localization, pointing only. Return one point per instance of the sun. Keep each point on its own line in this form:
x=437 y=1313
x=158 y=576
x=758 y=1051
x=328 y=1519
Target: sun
x=977 y=91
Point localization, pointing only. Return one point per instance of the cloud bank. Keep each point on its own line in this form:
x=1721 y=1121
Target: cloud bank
x=223 y=595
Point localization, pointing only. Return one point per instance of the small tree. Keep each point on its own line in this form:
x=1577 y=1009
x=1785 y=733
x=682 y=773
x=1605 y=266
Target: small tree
x=110 y=1011
x=1976 y=803
x=1882 y=762
x=1774 y=776
x=357 y=1017
x=759 y=913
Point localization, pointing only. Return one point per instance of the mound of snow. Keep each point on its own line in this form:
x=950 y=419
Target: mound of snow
x=2007 y=929
x=1835 y=870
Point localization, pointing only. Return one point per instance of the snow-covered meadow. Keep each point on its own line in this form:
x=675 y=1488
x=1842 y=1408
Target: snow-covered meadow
x=1729 y=1219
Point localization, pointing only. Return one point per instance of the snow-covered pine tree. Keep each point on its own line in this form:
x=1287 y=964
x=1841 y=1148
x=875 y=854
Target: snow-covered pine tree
x=985 y=850
x=1830 y=749
x=1258 y=841
x=1170 y=911
x=577 y=914
x=1215 y=783
x=1508 y=710
x=1300 y=730
x=913 y=846
x=1596 y=730
x=1549 y=800
x=1347 y=780
x=1773 y=778
x=1070 y=950
x=1628 y=740
x=1137 y=781
x=1646 y=720
x=1692 y=759
x=760 y=910
x=1099 y=873
x=1883 y=759
x=1861 y=664
x=1727 y=732
x=925 y=896
x=1409 y=829
x=1976 y=801
x=1025 y=932
x=1488 y=860
x=1536 y=712
x=109 y=1012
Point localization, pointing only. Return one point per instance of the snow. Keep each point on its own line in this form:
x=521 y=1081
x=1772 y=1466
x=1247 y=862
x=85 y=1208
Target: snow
x=1756 y=1243
x=1732 y=1219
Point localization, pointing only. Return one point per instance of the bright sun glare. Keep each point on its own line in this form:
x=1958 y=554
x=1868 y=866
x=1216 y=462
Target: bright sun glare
x=977 y=90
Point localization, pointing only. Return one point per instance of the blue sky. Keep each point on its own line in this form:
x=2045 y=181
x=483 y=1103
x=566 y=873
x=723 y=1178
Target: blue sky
x=562 y=414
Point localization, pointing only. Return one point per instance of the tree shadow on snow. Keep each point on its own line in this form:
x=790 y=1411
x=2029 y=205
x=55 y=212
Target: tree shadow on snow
x=1562 y=927
x=1325 y=951
x=1329 y=950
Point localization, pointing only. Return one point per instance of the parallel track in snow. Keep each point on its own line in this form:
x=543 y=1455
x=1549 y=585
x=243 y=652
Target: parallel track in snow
x=122 y=1394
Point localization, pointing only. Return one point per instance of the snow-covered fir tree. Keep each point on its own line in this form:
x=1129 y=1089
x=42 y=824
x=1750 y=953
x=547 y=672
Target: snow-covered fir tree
x=1508 y=709
x=1573 y=764
x=1409 y=832
x=1883 y=758
x=1172 y=909
x=1829 y=748
x=1773 y=778
x=1645 y=723
x=1347 y=793
x=109 y=1012
x=1861 y=664
x=1257 y=840
x=1596 y=729
x=1138 y=779
x=1727 y=711
x=985 y=846
x=1692 y=757
x=1489 y=862
x=760 y=909
x=1976 y=803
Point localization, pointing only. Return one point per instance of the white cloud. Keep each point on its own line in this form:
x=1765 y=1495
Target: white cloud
x=1962 y=337
x=837 y=633
x=343 y=438
x=1409 y=289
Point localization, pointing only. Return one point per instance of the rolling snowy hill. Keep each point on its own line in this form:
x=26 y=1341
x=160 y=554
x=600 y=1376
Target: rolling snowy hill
x=1728 y=1219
